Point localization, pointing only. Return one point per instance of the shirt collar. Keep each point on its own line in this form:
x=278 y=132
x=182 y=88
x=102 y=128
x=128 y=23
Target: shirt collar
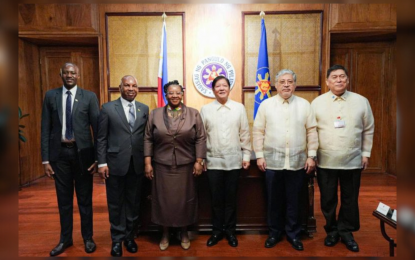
x=281 y=100
x=342 y=97
x=219 y=105
x=176 y=109
x=125 y=102
x=72 y=90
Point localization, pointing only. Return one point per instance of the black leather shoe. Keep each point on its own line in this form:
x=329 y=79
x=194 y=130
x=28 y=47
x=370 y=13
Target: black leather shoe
x=272 y=241
x=89 y=245
x=131 y=246
x=296 y=244
x=351 y=245
x=232 y=240
x=60 y=248
x=331 y=240
x=116 y=249
x=214 y=239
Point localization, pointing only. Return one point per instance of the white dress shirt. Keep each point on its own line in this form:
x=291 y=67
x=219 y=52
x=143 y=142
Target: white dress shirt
x=227 y=131
x=126 y=109
x=343 y=148
x=283 y=131
x=64 y=97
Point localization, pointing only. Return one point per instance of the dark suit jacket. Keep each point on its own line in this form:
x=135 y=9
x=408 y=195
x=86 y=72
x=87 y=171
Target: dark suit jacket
x=116 y=143
x=188 y=143
x=85 y=113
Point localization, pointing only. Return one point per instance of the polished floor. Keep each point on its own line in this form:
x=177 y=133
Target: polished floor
x=39 y=227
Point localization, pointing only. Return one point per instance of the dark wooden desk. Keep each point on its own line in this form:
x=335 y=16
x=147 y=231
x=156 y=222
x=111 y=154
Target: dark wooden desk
x=383 y=219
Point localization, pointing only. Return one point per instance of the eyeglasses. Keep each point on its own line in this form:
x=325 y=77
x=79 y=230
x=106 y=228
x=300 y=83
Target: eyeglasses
x=175 y=93
x=286 y=82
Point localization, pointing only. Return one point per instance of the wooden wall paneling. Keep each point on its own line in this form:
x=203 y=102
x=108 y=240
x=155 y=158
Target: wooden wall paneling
x=52 y=59
x=362 y=17
x=86 y=58
x=30 y=101
x=61 y=39
x=325 y=48
x=102 y=71
x=207 y=38
x=58 y=18
x=88 y=63
x=370 y=70
x=392 y=115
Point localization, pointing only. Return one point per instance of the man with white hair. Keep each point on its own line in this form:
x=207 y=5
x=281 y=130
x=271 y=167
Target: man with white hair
x=285 y=142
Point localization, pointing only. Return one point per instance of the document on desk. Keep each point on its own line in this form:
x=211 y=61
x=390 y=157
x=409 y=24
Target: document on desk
x=395 y=212
x=382 y=208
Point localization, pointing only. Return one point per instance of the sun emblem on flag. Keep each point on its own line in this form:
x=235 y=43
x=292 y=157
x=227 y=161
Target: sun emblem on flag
x=212 y=74
x=264 y=86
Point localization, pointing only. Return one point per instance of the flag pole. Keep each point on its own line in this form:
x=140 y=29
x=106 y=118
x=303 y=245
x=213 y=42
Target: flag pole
x=162 y=74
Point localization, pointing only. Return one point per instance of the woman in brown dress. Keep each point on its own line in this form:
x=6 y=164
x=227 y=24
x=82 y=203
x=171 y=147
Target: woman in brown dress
x=174 y=150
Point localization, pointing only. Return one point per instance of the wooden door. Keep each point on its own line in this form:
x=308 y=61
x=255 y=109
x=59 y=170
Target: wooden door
x=86 y=58
x=371 y=75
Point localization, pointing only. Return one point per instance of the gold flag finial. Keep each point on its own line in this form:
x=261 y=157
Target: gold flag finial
x=262 y=14
x=164 y=16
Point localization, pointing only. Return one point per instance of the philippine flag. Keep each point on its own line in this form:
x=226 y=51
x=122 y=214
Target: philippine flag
x=162 y=76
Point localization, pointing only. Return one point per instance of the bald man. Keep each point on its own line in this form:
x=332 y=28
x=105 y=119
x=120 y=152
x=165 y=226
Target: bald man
x=68 y=153
x=120 y=149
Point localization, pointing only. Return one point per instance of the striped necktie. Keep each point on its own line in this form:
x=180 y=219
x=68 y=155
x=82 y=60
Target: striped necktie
x=131 y=116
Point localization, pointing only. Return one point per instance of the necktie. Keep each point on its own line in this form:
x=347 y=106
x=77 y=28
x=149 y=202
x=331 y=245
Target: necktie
x=68 y=132
x=131 y=116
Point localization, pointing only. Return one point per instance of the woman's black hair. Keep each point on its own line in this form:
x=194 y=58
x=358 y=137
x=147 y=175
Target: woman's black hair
x=170 y=83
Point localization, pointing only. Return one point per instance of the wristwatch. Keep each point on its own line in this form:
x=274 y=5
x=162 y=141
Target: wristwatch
x=313 y=157
x=202 y=162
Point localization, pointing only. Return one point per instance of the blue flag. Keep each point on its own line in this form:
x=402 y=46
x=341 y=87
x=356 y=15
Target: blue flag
x=263 y=84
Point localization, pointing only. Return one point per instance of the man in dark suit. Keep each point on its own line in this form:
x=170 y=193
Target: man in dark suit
x=68 y=153
x=120 y=148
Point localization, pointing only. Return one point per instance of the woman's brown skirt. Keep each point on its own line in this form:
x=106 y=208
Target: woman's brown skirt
x=174 y=196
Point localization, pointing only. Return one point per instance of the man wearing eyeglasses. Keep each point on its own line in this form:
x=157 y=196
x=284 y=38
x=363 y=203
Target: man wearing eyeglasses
x=285 y=142
x=345 y=126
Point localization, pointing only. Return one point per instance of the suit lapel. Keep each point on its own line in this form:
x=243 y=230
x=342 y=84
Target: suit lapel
x=59 y=103
x=138 y=115
x=120 y=110
x=78 y=98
